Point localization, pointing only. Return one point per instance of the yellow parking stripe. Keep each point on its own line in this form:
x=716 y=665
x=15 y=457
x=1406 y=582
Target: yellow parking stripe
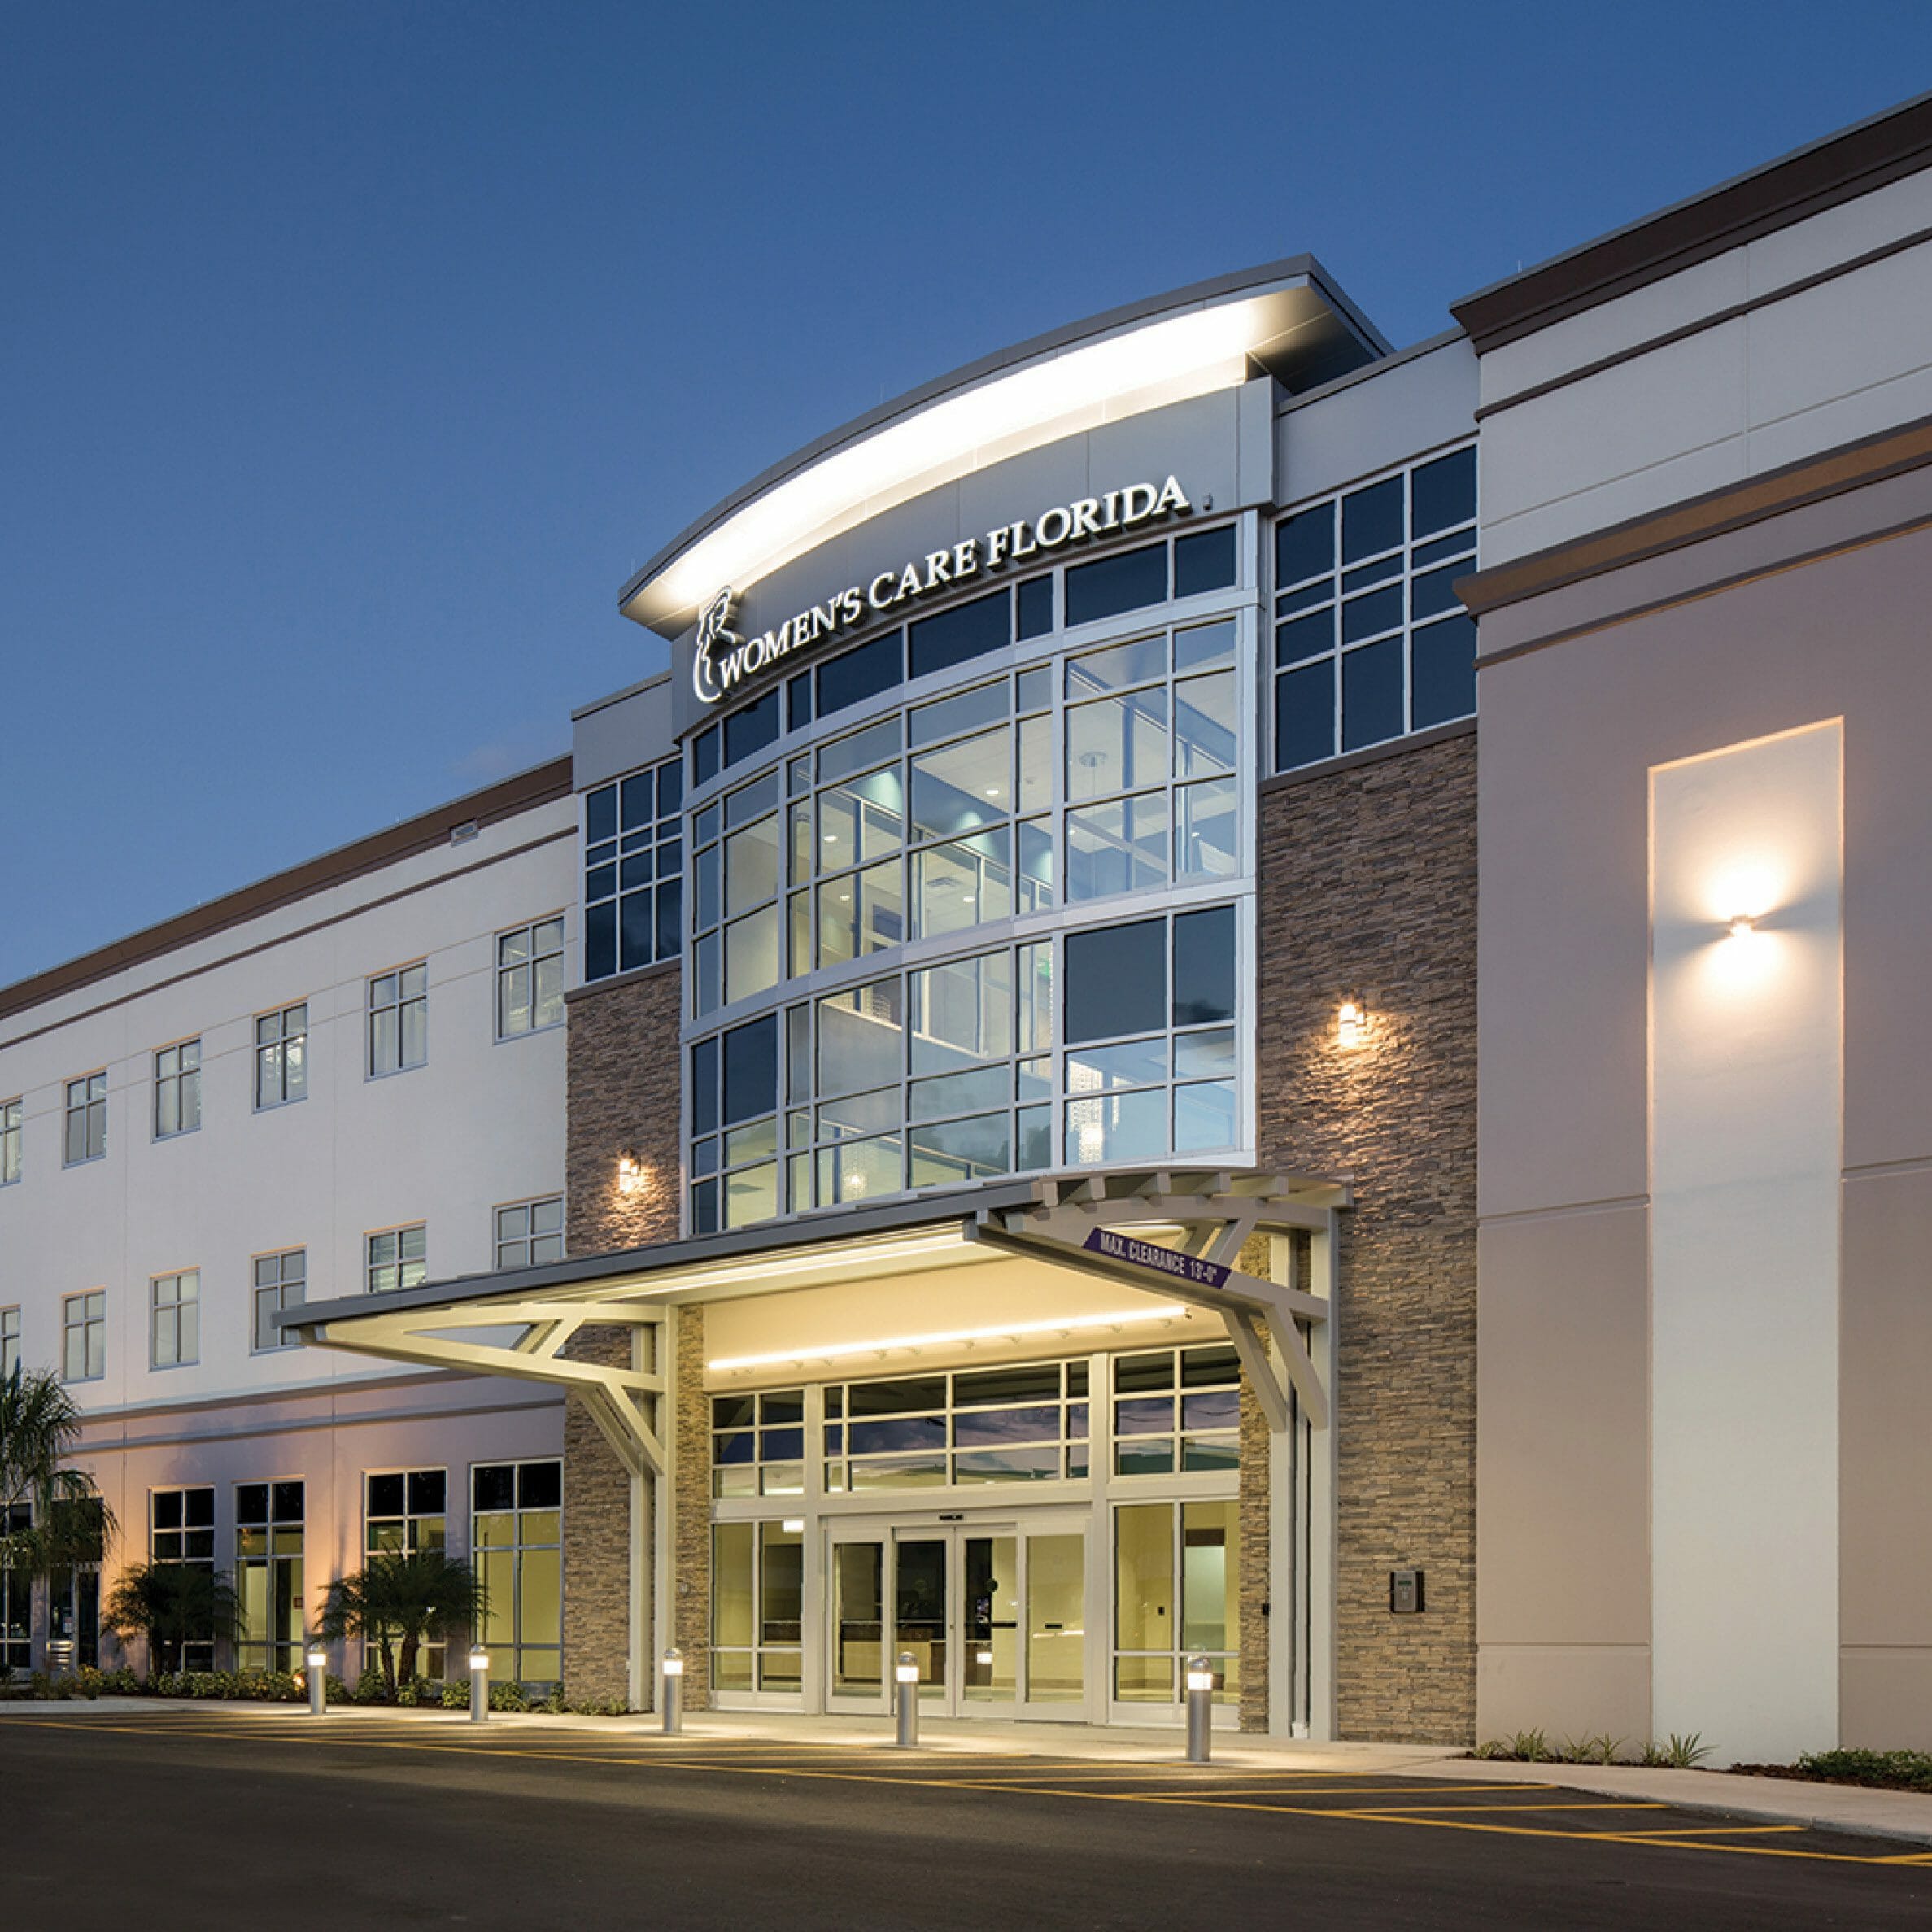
x=1425 y=1816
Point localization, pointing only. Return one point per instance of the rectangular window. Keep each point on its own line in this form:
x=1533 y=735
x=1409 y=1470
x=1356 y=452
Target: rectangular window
x=529 y=978
x=399 y=1019
x=174 y=1319
x=86 y=1119
x=11 y=1123
x=517 y=1537
x=268 y=1530
x=281 y=1056
x=394 y=1258
x=529 y=1232
x=634 y=871
x=84 y=1336
x=281 y=1281
x=10 y=1341
x=1370 y=640
x=182 y=1530
x=1176 y=1593
x=405 y=1513
x=757 y=1606
x=177 y=1089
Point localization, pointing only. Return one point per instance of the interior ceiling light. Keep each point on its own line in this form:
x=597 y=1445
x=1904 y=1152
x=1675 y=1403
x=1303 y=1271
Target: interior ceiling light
x=1140 y=368
x=1159 y=1311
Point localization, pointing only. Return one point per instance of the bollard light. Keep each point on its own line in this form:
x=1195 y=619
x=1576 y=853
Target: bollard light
x=906 y=1674
x=479 y=1683
x=673 y=1669
x=1201 y=1691
x=318 y=1681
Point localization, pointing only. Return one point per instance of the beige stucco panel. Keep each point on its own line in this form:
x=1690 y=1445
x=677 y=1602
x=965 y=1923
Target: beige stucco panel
x=1563 y=1463
x=1564 y=1691
x=1886 y=1447
x=1569 y=735
x=1885 y=1699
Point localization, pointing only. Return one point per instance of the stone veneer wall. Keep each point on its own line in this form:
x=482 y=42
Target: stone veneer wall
x=623 y=1096
x=1368 y=890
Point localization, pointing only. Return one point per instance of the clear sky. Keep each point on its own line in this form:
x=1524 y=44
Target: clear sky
x=352 y=355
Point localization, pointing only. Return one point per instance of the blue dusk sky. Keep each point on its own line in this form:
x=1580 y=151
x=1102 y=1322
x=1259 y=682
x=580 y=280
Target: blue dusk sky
x=351 y=356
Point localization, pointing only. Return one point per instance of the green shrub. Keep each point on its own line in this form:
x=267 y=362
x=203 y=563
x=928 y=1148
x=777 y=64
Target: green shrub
x=1895 y=1770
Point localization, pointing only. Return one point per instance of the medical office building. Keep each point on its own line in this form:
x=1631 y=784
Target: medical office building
x=1027 y=1199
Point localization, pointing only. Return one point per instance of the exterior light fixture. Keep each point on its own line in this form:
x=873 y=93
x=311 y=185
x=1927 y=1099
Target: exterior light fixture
x=1200 y=1690
x=630 y=1172
x=1351 y=1023
x=905 y=1673
x=479 y=1683
x=671 y=1666
x=318 y=1680
x=1742 y=925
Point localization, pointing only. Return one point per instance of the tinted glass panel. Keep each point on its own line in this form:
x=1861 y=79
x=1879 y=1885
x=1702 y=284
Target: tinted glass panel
x=1204 y=965
x=1445 y=671
x=798 y=698
x=1444 y=492
x=600 y=940
x=704 y=1086
x=751 y=1069
x=1035 y=607
x=1116 y=981
x=1204 y=562
x=496 y=1486
x=954 y=635
x=1112 y=584
x=1371 y=520
x=703 y=755
x=1432 y=595
x=1305 y=544
x=1305 y=716
x=1305 y=637
x=752 y=729
x=600 y=814
x=860 y=675
x=1380 y=610
x=1371 y=693
x=386 y=1496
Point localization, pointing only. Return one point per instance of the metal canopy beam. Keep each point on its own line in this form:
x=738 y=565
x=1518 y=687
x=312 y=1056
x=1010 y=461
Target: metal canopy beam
x=1086 y=1226
x=621 y=1402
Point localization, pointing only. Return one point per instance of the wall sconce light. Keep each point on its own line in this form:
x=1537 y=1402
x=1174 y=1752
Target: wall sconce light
x=1742 y=925
x=631 y=1173
x=1351 y=1021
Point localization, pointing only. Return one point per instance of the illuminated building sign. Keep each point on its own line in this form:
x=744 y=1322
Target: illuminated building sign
x=724 y=659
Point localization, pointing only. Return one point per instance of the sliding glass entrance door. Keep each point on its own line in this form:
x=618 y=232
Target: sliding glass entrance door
x=993 y=1615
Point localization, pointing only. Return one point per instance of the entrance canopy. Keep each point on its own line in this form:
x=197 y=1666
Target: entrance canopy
x=1000 y=1268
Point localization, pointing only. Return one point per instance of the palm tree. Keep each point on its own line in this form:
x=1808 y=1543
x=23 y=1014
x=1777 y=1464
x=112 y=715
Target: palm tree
x=172 y=1605
x=53 y=1520
x=399 y=1600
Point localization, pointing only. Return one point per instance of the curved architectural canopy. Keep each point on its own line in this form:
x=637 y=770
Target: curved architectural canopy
x=1286 y=321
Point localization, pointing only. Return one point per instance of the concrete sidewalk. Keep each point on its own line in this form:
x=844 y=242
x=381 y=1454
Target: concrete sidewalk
x=1903 y=1814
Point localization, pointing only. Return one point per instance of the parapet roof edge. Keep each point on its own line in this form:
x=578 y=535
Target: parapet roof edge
x=522 y=791
x=1428 y=345
x=1837 y=167
x=1291 y=267
x=617 y=697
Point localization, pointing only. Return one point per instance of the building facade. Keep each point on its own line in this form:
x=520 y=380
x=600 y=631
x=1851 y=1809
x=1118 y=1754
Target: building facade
x=1027 y=1204
x=336 y=1082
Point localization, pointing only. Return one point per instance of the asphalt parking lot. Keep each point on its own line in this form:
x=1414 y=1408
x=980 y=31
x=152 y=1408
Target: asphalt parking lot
x=186 y=1816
